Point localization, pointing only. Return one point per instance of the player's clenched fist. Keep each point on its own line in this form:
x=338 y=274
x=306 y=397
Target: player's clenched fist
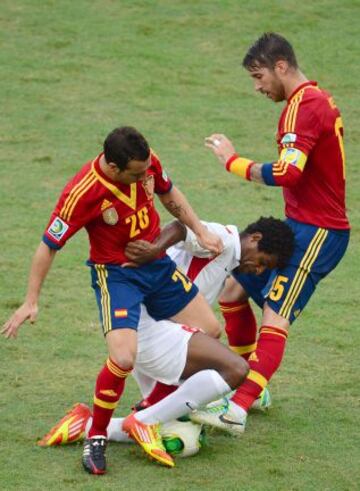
x=210 y=241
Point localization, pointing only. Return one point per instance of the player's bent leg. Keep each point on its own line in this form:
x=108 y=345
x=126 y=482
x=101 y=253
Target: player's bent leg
x=197 y=390
x=199 y=314
x=231 y=367
x=207 y=353
x=264 y=361
x=211 y=370
x=204 y=382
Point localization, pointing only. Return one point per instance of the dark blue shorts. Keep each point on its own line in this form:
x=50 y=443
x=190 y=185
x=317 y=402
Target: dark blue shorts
x=119 y=292
x=288 y=290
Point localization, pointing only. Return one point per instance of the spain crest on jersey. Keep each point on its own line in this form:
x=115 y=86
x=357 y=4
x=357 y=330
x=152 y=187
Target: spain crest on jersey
x=149 y=185
x=110 y=216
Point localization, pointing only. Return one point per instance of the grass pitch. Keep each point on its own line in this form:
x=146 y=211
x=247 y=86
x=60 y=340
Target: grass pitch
x=72 y=71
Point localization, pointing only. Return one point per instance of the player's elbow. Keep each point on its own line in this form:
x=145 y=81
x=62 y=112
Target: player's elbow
x=179 y=230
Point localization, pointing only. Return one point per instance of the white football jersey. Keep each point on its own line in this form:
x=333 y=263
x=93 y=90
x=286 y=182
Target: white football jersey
x=206 y=271
x=163 y=346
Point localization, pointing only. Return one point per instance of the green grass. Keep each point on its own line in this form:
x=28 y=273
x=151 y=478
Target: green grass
x=72 y=71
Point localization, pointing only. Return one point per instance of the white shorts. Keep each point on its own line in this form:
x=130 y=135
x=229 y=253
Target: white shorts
x=161 y=353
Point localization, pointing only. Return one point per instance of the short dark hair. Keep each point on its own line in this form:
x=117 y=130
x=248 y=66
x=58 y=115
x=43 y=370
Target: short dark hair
x=124 y=144
x=267 y=50
x=277 y=238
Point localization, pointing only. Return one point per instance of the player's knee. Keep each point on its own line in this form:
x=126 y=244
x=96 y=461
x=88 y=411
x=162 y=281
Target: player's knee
x=236 y=371
x=122 y=346
x=124 y=359
x=214 y=329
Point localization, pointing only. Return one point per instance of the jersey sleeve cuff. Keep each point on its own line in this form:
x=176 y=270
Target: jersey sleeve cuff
x=267 y=174
x=50 y=243
x=167 y=191
x=230 y=161
x=239 y=166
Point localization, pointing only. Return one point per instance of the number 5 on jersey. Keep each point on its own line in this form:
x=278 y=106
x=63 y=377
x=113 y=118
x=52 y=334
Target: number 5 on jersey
x=278 y=288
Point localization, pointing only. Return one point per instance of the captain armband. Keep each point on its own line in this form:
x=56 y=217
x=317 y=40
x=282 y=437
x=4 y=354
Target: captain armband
x=239 y=166
x=287 y=170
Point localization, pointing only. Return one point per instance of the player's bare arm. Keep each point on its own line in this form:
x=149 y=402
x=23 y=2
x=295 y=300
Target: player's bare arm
x=143 y=251
x=176 y=203
x=283 y=172
x=40 y=267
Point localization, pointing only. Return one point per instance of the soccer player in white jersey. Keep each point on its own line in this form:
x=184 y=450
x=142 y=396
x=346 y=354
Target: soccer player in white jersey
x=171 y=353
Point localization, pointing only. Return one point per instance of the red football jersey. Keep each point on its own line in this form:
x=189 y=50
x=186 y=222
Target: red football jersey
x=112 y=213
x=312 y=123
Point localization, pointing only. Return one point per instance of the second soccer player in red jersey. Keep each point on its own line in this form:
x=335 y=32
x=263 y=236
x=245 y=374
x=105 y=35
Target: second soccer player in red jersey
x=112 y=197
x=311 y=170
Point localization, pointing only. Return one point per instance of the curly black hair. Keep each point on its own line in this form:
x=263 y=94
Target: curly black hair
x=277 y=238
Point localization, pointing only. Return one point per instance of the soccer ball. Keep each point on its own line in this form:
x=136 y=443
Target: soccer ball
x=182 y=438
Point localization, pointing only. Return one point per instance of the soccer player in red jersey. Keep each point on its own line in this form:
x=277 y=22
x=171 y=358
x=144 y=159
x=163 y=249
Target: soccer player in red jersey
x=311 y=170
x=112 y=196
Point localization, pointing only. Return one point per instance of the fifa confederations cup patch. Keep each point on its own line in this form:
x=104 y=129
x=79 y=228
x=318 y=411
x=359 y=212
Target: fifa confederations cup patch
x=58 y=229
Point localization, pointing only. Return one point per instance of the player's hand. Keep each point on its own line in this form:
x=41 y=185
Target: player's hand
x=210 y=241
x=221 y=147
x=25 y=312
x=141 y=252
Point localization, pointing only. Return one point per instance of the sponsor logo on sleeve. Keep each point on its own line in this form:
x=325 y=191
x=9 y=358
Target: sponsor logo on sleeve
x=288 y=138
x=57 y=229
x=165 y=176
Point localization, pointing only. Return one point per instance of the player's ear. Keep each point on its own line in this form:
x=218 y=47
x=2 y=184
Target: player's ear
x=113 y=167
x=281 y=67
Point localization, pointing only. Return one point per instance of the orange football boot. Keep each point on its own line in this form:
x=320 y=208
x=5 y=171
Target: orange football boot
x=71 y=428
x=148 y=437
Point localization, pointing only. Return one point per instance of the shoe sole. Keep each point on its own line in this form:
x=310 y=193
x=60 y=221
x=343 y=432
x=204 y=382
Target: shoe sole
x=97 y=472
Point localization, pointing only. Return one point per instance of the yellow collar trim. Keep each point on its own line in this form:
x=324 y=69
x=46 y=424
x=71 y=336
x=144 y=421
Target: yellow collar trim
x=130 y=201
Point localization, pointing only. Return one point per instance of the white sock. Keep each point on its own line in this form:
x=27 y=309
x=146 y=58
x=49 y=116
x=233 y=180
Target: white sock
x=198 y=390
x=88 y=426
x=115 y=432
